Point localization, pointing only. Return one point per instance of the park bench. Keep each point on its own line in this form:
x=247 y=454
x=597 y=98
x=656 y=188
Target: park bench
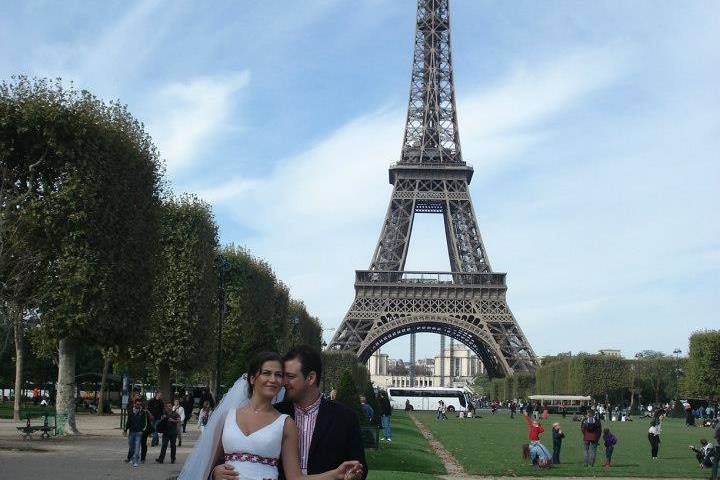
x=29 y=429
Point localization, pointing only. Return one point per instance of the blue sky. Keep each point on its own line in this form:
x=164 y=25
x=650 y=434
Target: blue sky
x=593 y=128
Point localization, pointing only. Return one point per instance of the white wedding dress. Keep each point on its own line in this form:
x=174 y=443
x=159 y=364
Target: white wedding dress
x=255 y=456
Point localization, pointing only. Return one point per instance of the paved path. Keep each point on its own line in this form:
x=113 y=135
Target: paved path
x=97 y=453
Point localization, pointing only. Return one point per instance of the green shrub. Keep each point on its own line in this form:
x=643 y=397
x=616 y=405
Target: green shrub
x=347 y=393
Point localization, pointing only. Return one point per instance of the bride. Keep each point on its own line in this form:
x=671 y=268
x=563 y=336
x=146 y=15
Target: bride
x=246 y=432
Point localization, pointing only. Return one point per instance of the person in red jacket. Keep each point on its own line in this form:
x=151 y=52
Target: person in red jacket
x=537 y=452
x=534 y=429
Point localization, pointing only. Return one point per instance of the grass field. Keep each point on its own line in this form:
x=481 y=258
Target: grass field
x=408 y=456
x=492 y=446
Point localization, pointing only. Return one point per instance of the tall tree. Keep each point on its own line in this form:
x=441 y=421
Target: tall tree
x=656 y=371
x=251 y=321
x=180 y=336
x=21 y=252
x=95 y=203
x=703 y=365
x=304 y=328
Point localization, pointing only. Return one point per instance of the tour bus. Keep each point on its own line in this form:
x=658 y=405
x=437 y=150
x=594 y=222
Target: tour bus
x=427 y=398
x=555 y=403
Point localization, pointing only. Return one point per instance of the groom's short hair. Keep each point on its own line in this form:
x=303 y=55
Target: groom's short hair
x=309 y=358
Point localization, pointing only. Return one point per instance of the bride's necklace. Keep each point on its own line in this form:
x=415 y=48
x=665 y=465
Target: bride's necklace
x=256 y=410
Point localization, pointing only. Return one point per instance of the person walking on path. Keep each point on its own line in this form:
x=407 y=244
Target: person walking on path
x=557 y=436
x=137 y=422
x=156 y=409
x=654 y=437
x=591 y=429
x=204 y=415
x=366 y=409
x=146 y=434
x=178 y=408
x=385 y=411
x=206 y=396
x=609 y=440
x=188 y=404
x=170 y=422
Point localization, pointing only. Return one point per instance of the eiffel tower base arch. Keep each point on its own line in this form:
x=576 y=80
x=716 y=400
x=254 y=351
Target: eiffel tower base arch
x=470 y=308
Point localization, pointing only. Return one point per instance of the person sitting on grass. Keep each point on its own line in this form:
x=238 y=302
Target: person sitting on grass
x=609 y=440
x=705 y=454
x=538 y=455
x=535 y=450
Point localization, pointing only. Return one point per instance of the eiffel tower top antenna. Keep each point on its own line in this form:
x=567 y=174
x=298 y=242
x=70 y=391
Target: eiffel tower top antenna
x=431 y=129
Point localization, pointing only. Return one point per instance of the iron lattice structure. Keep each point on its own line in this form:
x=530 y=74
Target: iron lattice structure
x=468 y=303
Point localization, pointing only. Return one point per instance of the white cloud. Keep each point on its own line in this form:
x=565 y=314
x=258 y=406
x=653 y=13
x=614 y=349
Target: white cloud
x=317 y=216
x=494 y=122
x=190 y=113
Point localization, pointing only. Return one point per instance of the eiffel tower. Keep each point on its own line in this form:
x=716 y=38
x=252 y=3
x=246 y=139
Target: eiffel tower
x=468 y=303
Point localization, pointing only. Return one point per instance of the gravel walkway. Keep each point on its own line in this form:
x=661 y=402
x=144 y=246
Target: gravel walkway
x=452 y=467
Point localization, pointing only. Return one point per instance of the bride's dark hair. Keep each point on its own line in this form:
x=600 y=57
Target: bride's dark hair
x=256 y=364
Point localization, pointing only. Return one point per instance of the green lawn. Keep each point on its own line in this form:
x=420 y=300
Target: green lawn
x=492 y=446
x=408 y=456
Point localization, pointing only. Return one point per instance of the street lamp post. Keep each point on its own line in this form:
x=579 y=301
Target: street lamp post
x=677 y=353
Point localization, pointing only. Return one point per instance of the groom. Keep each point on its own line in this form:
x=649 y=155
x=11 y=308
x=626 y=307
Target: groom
x=329 y=432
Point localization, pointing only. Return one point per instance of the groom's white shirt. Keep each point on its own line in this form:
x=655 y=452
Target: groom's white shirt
x=305 y=418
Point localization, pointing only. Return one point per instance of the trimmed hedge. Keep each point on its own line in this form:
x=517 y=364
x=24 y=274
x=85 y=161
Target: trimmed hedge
x=584 y=375
x=336 y=363
x=518 y=386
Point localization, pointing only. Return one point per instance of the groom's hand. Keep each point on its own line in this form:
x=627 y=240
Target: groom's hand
x=224 y=472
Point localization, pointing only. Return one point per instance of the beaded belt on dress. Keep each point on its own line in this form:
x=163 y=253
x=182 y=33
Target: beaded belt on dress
x=250 y=457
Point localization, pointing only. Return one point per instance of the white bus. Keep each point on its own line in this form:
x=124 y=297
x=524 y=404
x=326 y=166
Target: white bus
x=427 y=398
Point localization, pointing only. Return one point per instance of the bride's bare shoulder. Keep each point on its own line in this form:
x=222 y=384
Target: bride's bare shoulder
x=289 y=425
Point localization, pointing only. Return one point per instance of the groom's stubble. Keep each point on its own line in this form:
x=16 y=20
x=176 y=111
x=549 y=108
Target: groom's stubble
x=298 y=388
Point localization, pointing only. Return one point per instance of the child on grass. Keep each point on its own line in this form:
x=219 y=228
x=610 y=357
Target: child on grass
x=610 y=440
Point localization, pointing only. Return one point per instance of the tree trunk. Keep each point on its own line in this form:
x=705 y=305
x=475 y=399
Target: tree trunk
x=19 y=341
x=65 y=402
x=106 y=353
x=164 y=381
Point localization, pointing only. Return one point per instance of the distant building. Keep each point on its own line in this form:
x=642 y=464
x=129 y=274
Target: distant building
x=466 y=366
x=610 y=352
x=378 y=364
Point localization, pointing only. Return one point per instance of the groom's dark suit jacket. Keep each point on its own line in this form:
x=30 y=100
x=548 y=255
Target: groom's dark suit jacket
x=336 y=437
